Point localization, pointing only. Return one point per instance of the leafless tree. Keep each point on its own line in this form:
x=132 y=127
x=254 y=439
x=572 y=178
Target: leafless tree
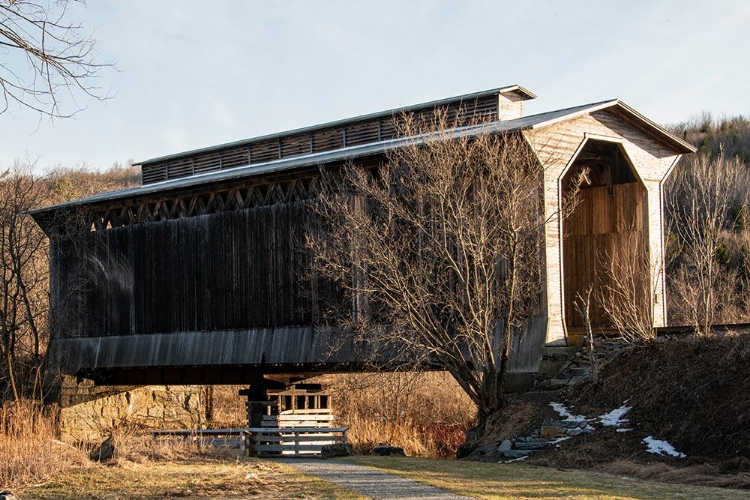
x=48 y=60
x=583 y=308
x=23 y=284
x=24 y=271
x=707 y=206
x=438 y=250
x=625 y=290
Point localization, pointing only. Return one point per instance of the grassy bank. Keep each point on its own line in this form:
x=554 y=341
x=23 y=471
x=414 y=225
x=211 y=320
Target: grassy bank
x=196 y=477
x=518 y=481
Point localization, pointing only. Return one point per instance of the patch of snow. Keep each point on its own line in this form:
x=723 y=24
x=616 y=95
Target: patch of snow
x=513 y=460
x=624 y=429
x=566 y=415
x=660 y=447
x=614 y=418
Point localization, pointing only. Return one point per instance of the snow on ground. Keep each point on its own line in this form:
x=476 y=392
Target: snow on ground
x=614 y=418
x=566 y=415
x=611 y=419
x=660 y=447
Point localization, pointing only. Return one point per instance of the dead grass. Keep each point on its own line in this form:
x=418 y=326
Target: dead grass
x=427 y=414
x=436 y=440
x=135 y=447
x=518 y=481
x=229 y=409
x=34 y=464
x=198 y=477
x=702 y=474
x=28 y=449
x=519 y=417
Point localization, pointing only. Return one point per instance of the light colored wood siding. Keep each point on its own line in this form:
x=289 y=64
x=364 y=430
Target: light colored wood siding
x=510 y=106
x=556 y=146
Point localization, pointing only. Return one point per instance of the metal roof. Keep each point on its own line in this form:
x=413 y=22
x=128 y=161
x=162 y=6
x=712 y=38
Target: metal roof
x=525 y=123
x=525 y=94
x=652 y=128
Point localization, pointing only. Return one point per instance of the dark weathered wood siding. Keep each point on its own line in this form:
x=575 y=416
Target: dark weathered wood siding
x=231 y=270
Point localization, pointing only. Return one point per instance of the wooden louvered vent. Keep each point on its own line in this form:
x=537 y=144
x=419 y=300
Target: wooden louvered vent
x=355 y=133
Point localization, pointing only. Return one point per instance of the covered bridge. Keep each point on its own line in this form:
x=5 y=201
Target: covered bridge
x=196 y=277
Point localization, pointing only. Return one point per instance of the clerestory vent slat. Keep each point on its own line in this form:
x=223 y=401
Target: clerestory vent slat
x=207 y=163
x=234 y=158
x=265 y=151
x=355 y=133
x=180 y=168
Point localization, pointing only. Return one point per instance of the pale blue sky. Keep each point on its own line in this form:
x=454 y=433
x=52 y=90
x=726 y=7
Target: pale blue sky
x=194 y=74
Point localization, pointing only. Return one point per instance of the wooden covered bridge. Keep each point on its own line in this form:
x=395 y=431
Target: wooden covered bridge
x=195 y=277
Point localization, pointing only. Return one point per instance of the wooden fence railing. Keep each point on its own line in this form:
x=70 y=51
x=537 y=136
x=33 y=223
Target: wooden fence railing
x=292 y=440
x=231 y=438
x=299 y=418
x=290 y=433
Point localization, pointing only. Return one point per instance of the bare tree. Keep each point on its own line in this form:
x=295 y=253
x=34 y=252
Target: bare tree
x=438 y=250
x=48 y=58
x=706 y=207
x=583 y=308
x=24 y=269
x=625 y=290
x=23 y=284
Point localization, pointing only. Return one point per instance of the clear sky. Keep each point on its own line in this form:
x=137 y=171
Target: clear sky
x=194 y=74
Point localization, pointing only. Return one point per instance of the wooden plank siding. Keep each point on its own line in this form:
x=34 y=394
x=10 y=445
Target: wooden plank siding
x=556 y=146
x=236 y=269
x=603 y=228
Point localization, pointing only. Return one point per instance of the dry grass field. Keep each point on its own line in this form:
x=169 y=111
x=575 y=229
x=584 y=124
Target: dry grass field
x=426 y=414
x=29 y=450
x=39 y=467
x=493 y=481
x=198 y=477
x=202 y=476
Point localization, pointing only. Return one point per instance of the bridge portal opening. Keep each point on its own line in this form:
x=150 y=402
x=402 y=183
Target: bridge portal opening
x=605 y=235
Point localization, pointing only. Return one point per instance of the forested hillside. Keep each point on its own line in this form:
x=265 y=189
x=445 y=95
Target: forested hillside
x=707 y=225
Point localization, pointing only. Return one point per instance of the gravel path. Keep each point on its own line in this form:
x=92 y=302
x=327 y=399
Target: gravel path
x=370 y=482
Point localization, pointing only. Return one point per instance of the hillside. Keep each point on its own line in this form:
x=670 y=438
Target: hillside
x=691 y=393
x=706 y=224
x=729 y=136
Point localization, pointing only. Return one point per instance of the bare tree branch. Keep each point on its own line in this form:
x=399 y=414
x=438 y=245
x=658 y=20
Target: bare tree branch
x=47 y=60
x=706 y=206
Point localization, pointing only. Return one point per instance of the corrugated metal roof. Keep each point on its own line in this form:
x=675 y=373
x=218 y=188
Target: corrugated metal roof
x=525 y=123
